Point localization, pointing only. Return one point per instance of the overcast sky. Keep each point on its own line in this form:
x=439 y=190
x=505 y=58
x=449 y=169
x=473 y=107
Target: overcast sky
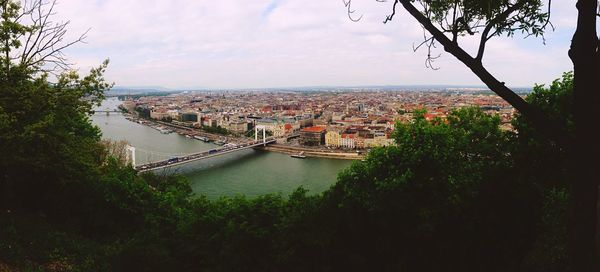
x=288 y=43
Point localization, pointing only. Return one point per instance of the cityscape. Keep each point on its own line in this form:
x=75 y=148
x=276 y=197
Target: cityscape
x=332 y=120
x=291 y=135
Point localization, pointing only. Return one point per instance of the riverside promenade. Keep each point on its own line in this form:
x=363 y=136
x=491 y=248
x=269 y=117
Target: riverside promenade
x=314 y=152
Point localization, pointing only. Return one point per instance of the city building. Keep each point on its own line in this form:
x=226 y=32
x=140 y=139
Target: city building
x=239 y=127
x=333 y=139
x=312 y=136
x=192 y=117
x=347 y=141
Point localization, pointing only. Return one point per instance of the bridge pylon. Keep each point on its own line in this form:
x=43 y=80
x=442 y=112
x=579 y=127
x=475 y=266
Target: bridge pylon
x=130 y=155
x=264 y=132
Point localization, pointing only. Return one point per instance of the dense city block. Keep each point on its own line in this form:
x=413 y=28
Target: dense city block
x=335 y=119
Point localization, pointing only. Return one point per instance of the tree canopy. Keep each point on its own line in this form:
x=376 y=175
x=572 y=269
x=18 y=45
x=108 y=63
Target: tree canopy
x=447 y=21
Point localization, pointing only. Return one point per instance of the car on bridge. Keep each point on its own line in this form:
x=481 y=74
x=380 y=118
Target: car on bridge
x=172 y=160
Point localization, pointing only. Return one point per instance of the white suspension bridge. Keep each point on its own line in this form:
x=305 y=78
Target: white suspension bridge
x=170 y=160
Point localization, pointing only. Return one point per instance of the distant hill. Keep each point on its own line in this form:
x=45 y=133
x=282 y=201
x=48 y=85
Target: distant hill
x=136 y=90
x=407 y=88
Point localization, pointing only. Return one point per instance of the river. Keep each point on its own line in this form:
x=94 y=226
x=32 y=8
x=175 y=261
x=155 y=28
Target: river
x=249 y=172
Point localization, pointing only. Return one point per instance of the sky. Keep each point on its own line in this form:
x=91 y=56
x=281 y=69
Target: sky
x=229 y=44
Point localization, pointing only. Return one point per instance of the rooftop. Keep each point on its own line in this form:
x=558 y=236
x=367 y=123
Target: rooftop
x=313 y=129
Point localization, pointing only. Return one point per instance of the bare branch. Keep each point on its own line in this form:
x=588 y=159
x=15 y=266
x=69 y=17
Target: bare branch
x=422 y=43
x=45 y=41
x=428 y=42
x=548 y=19
x=391 y=16
x=454 y=26
x=548 y=22
x=493 y=23
x=42 y=22
x=348 y=4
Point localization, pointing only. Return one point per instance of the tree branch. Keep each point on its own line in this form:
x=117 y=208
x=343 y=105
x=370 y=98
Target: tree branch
x=454 y=26
x=490 y=25
x=541 y=121
x=391 y=16
x=348 y=4
x=44 y=43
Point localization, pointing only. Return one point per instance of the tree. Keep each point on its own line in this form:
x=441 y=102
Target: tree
x=116 y=150
x=46 y=137
x=585 y=55
x=445 y=197
x=447 y=21
x=548 y=167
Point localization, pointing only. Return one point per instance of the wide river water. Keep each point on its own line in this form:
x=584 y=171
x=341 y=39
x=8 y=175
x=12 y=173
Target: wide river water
x=249 y=172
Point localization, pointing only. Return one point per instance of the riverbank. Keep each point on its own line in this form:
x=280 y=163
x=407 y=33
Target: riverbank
x=252 y=173
x=187 y=131
x=312 y=152
x=281 y=148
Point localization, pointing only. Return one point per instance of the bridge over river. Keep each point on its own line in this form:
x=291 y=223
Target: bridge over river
x=106 y=111
x=227 y=149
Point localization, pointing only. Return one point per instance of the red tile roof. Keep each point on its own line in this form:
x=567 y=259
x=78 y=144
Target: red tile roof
x=313 y=129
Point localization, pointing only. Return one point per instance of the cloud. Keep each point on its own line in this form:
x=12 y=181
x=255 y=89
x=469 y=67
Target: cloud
x=270 y=43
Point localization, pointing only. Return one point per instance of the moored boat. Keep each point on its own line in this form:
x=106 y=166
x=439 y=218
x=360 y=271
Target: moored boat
x=299 y=155
x=204 y=139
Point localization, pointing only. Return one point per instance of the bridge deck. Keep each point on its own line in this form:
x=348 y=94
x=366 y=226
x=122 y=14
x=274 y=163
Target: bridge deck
x=199 y=156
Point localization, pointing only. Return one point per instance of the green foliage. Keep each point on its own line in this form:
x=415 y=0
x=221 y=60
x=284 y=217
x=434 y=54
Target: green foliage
x=10 y=32
x=556 y=101
x=143 y=112
x=251 y=133
x=48 y=145
x=546 y=164
x=549 y=252
x=48 y=140
x=137 y=96
x=503 y=17
x=438 y=199
x=216 y=130
x=446 y=196
x=547 y=161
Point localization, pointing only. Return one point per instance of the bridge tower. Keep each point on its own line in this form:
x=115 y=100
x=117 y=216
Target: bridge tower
x=130 y=155
x=264 y=132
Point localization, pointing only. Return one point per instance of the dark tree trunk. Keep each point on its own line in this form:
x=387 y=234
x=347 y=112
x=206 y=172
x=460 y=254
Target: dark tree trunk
x=585 y=173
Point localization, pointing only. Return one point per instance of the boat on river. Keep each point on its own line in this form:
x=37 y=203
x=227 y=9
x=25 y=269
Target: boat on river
x=164 y=130
x=204 y=139
x=299 y=155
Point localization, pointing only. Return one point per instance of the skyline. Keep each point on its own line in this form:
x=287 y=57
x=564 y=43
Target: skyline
x=288 y=44
x=358 y=88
